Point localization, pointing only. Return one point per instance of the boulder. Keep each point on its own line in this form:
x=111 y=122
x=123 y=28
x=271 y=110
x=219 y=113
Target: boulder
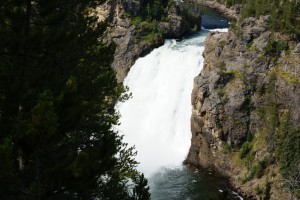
x=248 y=22
x=297 y=49
x=174 y=28
x=132 y=7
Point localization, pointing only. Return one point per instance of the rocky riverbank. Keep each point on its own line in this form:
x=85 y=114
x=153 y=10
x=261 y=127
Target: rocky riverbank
x=233 y=100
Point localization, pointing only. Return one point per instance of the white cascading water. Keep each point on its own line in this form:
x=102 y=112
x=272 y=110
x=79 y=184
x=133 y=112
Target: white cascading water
x=157 y=118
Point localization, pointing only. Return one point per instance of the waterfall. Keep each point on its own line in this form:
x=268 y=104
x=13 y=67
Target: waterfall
x=157 y=118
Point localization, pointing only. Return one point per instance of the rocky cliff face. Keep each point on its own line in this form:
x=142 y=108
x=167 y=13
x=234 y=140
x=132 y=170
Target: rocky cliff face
x=233 y=100
x=123 y=33
x=232 y=12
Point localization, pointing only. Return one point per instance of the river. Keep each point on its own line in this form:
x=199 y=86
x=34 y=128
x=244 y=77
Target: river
x=156 y=120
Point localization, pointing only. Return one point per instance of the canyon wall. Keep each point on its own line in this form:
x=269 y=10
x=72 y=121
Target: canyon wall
x=133 y=37
x=240 y=99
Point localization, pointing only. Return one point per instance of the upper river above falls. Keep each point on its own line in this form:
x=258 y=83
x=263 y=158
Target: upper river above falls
x=156 y=120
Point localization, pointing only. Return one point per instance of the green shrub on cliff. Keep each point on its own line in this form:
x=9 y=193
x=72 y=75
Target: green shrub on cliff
x=285 y=15
x=227 y=148
x=288 y=150
x=146 y=30
x=245 y=150
x=271 y=112
x=150 y=14
x=261 y=166
x=274 y=48
x=267 y=192
x=153 y=9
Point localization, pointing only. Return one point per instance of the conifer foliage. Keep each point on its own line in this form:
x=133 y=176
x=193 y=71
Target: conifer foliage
x=285 y=14
x=153 y=9
x=57 y=96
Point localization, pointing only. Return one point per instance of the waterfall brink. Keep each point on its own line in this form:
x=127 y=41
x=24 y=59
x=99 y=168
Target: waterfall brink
x=157 y=118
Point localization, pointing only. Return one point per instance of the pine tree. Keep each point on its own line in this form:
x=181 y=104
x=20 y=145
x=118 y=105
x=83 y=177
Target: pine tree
x=57 y=96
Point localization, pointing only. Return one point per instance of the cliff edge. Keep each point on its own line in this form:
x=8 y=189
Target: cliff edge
x=248 y=90
x=136 y=37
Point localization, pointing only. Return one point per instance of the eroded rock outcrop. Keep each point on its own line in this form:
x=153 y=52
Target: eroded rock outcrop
x=176 y=25
x=232 y=102
x=179 y=23
x=232 y=12
x=123 y=33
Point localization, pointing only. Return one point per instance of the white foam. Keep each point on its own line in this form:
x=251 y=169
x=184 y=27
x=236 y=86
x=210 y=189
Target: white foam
x=157 y=119
x=237 y=195
x=221 y=30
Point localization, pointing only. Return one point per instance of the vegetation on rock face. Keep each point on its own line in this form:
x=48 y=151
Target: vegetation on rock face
x=146 y=30
x=153 y=9
x=151 y=12
x=57 y=96
x=281 y=133
x=159 y=19
x=288 y=151
x=285 y=15
x=249 y=86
